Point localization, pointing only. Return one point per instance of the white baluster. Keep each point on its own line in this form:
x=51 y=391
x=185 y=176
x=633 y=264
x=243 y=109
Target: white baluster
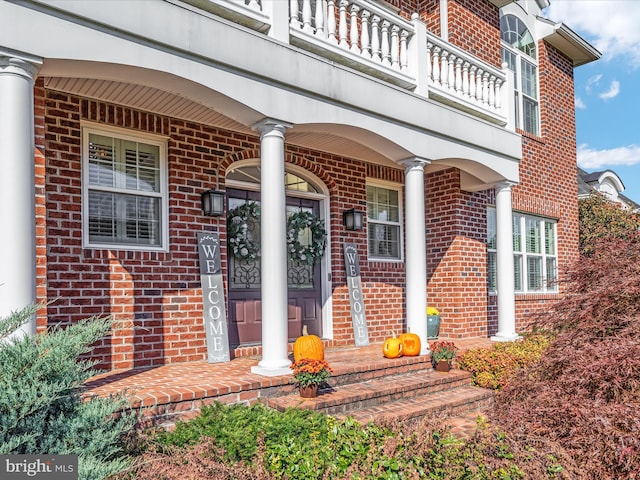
x=342 y=25
x=485 y=87
x=459 y=75
x=498 y=94
x=429 y=60
x=319 y=18
x=353 y=38
x=395 y=47
x=404 y=57
x=437 y=73
x=294 y=20
x=479 y=91
x=465 y=79
x=375 y=38
x=384 y=34
x=444 y=69
x=306 y=16
x=451 y=75
x=331 y=21
x=492 y=91
x=364 y=37
x=472 y=82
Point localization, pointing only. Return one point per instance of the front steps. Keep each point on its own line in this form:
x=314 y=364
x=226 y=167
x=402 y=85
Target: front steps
x=400 y=396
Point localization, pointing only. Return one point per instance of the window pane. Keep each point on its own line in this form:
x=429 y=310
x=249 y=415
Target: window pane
x=517 y=272
x=529 y=76
x=384 y=240
x=529 y=115
x=101 y=161
x=142 y=219
x=382 y=204
x=534 y=273
x=549 y=238
x=517 y=234
x=102 y=215
x=533 y=235
x=491 y=228
x=492 y=271
x=552 y=273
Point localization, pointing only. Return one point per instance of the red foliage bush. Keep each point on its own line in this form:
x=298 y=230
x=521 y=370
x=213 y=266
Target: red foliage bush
x=584 y=394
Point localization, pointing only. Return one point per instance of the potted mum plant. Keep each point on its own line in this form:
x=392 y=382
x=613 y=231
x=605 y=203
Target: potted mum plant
x=442 y=354
x=309 y=375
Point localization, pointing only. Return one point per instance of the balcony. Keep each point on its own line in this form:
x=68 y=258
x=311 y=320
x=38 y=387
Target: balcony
x=370 y=38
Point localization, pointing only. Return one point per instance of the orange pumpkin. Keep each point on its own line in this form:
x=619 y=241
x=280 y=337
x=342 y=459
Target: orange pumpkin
x=308 y=346
x=392 y=347
x=410 y=344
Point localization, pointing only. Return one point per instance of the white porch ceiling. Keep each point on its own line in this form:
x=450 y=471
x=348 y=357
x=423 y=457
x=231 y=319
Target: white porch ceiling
x=146 y=98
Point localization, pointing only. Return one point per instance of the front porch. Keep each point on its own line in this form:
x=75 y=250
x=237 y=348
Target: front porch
x=364 y=385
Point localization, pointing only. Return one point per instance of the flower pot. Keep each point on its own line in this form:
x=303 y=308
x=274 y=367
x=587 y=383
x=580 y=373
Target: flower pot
x=310 y=391
x=443 y=366
x=433 y=326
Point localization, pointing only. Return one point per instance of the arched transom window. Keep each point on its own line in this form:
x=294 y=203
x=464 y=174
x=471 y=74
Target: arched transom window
x=519 y=53
x=251 y=174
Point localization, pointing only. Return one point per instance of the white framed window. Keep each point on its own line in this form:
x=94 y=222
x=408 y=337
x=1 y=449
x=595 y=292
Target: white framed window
x=535 y=257
x=124 y=189
x=519 y=53
x=384 y=222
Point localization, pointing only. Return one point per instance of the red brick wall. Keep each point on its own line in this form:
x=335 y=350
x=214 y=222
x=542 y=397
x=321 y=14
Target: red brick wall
x=155 y=296
x=548 y=171
x=456 y=255
x=474 y=26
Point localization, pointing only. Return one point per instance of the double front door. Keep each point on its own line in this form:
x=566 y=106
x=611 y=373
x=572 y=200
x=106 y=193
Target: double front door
x=245 y=276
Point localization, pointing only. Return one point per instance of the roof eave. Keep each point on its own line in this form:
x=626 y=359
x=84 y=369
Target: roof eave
x=569 y=42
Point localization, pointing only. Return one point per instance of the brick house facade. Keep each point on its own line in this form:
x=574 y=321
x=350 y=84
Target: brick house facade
x=369 y=138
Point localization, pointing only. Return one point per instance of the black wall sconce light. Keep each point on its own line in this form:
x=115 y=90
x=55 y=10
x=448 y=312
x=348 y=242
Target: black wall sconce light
x=352 y=219
x=212 y=203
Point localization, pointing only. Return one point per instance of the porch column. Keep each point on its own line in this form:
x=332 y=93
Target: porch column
x=505 y=268
x=416 y=261
x=273 y=260
x=17 y=188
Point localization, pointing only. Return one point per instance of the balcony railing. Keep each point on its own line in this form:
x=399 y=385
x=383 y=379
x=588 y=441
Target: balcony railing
x=368 y=37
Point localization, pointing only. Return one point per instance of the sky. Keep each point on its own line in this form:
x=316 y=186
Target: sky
x=607 y=90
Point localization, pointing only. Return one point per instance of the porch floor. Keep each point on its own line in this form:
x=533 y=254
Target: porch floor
x=187 y=386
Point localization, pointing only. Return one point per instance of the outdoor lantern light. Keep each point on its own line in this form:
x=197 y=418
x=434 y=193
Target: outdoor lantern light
x=352 y=219
x=212 y=203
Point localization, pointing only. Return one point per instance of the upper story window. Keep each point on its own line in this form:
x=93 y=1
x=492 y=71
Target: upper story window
x=384 y=222
x=519 y=53
x=124 y=190
x=535 y=257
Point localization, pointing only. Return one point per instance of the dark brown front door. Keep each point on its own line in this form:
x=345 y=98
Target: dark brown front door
x=304 y=288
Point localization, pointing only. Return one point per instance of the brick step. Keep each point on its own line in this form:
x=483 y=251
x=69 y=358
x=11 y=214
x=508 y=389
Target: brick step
x=406 y=395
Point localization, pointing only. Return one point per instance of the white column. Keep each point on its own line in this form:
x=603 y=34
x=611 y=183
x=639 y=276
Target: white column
x=416 y=258
x=504 y=259
x=273 y=260
x=17 y=188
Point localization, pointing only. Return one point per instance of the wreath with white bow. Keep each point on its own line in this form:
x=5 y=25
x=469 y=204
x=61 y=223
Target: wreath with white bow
x=238 y=225
x=311 y=249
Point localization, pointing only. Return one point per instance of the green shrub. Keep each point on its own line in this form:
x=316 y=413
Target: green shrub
x=240 y=442
x=492 y=367
x=41 y=407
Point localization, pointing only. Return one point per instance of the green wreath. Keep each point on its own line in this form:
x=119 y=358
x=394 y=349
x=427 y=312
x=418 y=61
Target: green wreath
x=311 y=252
x=238 y=220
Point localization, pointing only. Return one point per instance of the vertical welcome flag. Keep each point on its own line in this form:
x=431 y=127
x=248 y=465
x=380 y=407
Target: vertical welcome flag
x=215 y=313
x=358 y=317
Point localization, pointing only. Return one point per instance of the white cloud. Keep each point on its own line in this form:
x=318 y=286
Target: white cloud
x=595 y=159
x=593 y=81
x=614 y=90
x=579 y=103
x=612 y=26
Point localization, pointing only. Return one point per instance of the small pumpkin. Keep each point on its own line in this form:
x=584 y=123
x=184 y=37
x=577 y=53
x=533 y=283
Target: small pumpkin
x=308 y=346
x=392 y=347
x=410 y=344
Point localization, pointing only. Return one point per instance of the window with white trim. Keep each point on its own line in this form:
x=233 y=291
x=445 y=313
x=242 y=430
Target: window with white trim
x=124 y=194
x=519 y=53
x=384 y=222
x=535 y=257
